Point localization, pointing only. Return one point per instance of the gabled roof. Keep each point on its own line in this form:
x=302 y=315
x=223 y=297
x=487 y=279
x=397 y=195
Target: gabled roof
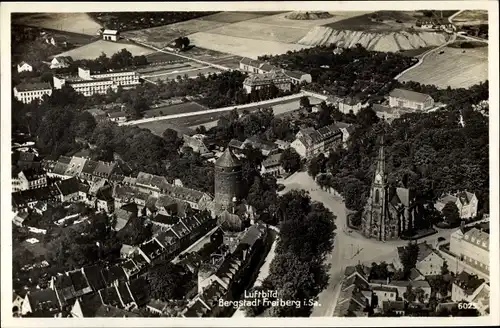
x=114 y=273
x=125 y=294
x=469 y=283
x=478 y=236
x=165 y=219
x=75 y=166
x=68 y=186
x=79 y=281
x=235 y=143
x=104 y=169
x=295 y=74
x=112 y=32
x=138 y=289
x=94 y=277
x=117 y=114
x=228 y=159
x=89 y=304
x=89 y=167
x=251 y=236
x=33 y=174
x=110 y=297
x=43 y=300
x=409 y=95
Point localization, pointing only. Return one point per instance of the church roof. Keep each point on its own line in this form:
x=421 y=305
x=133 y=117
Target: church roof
x=228 y=159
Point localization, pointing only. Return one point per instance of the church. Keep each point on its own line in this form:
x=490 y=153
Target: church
x=389 y=211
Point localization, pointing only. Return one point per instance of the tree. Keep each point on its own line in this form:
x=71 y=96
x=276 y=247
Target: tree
x=167 y=281
x=444 y=269
x=410 y=295
x=305 y=102
x=409 y=258
x=353 y=195
x=290 y=160
x=135 y=231
x=451 y=214
x=172 y=139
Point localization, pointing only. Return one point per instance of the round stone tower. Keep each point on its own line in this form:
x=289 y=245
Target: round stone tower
x=227 y=180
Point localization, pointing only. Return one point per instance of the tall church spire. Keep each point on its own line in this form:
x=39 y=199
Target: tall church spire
x=380 y=171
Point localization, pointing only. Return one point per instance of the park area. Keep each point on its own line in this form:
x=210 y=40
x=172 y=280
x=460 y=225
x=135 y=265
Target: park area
x=70 y=22
x=455 y=67
x=95 y=49
x=188 y=107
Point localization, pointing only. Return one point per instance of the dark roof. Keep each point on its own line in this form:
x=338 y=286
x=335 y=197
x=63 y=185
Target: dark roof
x=26 y=156
x=355 y=280
x=33 y=86
x=64 y=287
x=79 y=280
x=150 y=248
x=409 y=95
x=104 y=168
x=139 y=260
x=123 y=214
x=468 y=282
x=33 y=174
x=129 y=267
x=113 y=273
x=180 y=230
x=251 y=62
x=105 y=311
x=295 y=74
x=110 y=297
x=139 y=289
x=125 y=293
x=272 y=160
x=68 y=186
x=60 y=168
x=164 y=219
x=43 y=300
x=253 y=234
x=117 y=114
x=167 y=238
x=34 y=195
x=235 y=143
x=89 y=167
x=228 y=159
x=94 y=277
x=89 y=304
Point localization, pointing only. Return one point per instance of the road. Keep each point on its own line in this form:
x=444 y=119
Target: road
x=349 y=248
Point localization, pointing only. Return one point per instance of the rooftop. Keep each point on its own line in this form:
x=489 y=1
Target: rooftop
x=33 y=86
x=228 y=159
x=409 y=95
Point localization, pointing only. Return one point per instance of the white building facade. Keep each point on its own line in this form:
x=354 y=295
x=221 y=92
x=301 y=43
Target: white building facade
x=29 y=92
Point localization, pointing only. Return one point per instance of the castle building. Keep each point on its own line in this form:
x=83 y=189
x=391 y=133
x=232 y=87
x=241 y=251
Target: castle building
x=227 y=181
x=389 y=211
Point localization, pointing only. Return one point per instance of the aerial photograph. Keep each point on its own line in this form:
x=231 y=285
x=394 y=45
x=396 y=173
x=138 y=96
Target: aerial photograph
x=250 y=164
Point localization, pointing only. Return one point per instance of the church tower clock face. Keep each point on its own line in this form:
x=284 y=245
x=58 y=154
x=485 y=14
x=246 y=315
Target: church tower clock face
x=378 y=178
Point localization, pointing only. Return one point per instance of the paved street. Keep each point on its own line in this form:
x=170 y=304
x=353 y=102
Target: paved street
x=350 y=248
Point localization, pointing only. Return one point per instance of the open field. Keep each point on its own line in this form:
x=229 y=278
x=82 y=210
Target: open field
x=162 y=68
x=415 y=52
x=171 y=72
x=70 y=22
x=158 y=127
x=94 y=50
x=452 y=68
x=161 y=36
x=230 y=17
x=174 y=109
x=241 y=46
x=214 y=57
x=471 y=17
x=381 y=21
x=282 y=21
x=162 y=57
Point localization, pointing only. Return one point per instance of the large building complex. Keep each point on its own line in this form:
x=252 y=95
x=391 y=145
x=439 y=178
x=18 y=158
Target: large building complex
x=89 y=83
x=27 y=92
x=260 y=81
x=472 y=247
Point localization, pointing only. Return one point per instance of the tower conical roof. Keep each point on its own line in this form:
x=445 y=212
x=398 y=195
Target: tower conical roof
x=228 y=159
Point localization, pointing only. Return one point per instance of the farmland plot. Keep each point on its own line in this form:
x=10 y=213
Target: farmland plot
x=453 y=68
x=94 y=50
x=69 y=22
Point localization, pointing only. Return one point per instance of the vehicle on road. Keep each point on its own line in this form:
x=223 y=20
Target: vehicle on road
x=441 y=52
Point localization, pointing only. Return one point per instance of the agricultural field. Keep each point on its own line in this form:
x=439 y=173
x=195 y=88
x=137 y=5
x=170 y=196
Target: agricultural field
x=94 y=50
x=162 y=57
x=70 y=22
x=161 y=36
x=188 y=107
x=381 y=21
x=231 y=17
x=240 y=46
x=215 y=57
x=457 y=68
x=471 y=17
x=171 y=72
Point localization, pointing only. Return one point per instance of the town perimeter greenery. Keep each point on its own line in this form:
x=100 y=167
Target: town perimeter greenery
x=409 y=141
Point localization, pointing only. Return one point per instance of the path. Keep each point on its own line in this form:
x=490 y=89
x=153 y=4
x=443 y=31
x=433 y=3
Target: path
x=350 y=248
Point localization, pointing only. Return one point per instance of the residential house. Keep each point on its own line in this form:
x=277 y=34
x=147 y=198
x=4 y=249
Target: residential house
x=105 y=201
x=28 y=92
x=17 y=304
x=80 y=282
x=29 y=179
x=255 y=66
x=69 y=190
x=42 y=303
x=152 y=250
x=272 y=165
x=110 y=35
x=59 y=168
x=56 y=41
x=156 y=306
x=24 y=67
x=402 y=285
x=130 y=269
x=86 y=306
x=170 y=241
x=410 y=99
x=266 y=147
x=466 y=287
x=118 y=117
x=395 y=307
x=196 y=143
x=41 y=207
x=27 y=199
x=61 y=62
x=113 y=275
x=384 y=294
x=260 y=81
x=63 y=286
x=466 y=202
x=310 y=142
x=94 y=277
x=355 y=295
x=282 y=145
x=123 y=215
x=347 y=130
x=471 y=247
x=346 y=104
x=75 y=166
x=429 y=261
x=298 y=77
